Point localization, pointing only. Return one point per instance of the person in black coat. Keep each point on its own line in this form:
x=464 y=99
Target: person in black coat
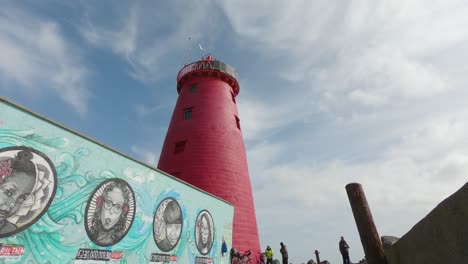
x=344 y=251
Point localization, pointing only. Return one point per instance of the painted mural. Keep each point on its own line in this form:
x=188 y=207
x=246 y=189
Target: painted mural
x=110 y=212
x=167 y=225
x=67 y=199
x=27 y=187
x=204 y=232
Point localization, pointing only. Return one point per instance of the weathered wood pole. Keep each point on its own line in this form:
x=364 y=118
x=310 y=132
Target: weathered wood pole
x=365 y=223
x=317 y=256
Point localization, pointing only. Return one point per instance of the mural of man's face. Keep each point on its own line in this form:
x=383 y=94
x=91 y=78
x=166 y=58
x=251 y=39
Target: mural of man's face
x=204 y=230
x=112 y=209
x=173 y=232
x=14 y=190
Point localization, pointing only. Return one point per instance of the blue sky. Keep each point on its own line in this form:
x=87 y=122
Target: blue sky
x=332 y=92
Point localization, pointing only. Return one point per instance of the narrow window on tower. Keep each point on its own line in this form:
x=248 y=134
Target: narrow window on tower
x=233 y=97
x=188 y=114
x=179 y=146
x=193 y=88
x=237 y=122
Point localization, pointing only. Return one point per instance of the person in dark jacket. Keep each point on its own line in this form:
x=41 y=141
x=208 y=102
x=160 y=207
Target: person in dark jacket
x=344 y=251
x=223 y=248
x=284 y=253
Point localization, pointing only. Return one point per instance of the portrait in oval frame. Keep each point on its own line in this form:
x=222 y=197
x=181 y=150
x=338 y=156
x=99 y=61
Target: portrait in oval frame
x=167 y=224
x=110 y=212
x=204 y=232
x=28 y=182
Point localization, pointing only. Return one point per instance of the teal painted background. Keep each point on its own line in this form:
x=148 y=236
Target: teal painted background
x=81 y=166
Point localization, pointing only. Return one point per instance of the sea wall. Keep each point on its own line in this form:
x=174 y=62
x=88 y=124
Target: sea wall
x=440 y=237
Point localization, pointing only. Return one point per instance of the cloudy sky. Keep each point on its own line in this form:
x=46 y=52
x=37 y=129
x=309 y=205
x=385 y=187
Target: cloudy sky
x=332 y=92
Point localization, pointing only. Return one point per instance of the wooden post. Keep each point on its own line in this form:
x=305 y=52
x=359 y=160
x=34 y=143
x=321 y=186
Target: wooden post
x=365 y=223
x=317 y=256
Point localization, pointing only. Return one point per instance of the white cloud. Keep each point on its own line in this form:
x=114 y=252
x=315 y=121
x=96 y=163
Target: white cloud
x=150 y=44
x=257 y=119
x=34 y=56
x=354 y=54
x=149 y=157
x=402 y=184
x=380 y=107
x=122 y=41
x=260 y=119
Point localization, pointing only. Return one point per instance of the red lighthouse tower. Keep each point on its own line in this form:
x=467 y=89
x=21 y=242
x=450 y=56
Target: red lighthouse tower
x=204 y=144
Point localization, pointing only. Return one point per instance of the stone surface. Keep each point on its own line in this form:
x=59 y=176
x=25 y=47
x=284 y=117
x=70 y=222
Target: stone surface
x=440 y=237
x=388 y=241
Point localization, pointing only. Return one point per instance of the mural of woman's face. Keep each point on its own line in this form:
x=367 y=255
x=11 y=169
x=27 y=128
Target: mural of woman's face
x=173 y=232
x=204 y=230
x=112 y=208
x=14 y=190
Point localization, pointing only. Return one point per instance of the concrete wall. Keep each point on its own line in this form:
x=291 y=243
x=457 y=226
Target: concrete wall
x=67 y=199
x=441 y=237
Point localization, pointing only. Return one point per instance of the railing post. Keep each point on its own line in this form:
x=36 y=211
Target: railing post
x=317 y=256
x=365 y=223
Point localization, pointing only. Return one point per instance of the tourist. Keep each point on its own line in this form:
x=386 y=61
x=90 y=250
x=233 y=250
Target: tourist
x=284 y=253
x=223 y=248
x=344 y=251
x=269 y=255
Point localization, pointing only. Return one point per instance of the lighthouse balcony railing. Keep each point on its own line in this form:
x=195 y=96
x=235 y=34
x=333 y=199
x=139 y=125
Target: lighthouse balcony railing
x=208 y=65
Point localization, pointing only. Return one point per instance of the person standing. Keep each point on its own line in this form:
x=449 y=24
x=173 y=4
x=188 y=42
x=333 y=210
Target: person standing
x=223 y=248
x=344 y=251
x=284 y=253
x=269 y=255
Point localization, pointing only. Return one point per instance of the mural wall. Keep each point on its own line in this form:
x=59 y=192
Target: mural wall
x=67 y=199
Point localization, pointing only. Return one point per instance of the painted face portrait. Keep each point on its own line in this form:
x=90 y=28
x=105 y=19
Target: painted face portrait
x=167 y=224
x=204 y=232
x=114 y=203
x=14 y=190
x=110 y=212
x=27 y=187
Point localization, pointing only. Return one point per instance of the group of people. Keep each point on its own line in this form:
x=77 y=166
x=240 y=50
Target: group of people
x=344 y=250
x=284 y=252
x=269 y=254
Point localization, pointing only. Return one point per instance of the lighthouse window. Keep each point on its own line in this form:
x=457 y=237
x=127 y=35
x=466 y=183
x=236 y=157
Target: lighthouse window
x=193 y=88
x=180 y=146
x=237 y=122
x=188 y=114
x=233 y=97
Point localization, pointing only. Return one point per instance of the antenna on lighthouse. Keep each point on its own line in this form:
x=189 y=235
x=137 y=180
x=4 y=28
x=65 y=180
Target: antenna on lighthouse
x=202 y=50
